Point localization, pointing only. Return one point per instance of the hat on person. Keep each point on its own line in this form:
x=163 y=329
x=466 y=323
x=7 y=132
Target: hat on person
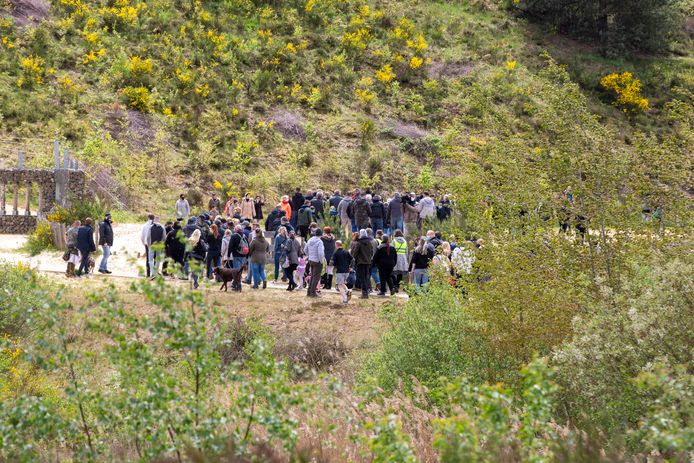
x=107 y=215
x=362 y=233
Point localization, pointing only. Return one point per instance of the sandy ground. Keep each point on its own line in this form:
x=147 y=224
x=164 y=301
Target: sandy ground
x=127 y=254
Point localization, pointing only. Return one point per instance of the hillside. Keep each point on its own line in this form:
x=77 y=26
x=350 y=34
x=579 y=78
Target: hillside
x=322 y=93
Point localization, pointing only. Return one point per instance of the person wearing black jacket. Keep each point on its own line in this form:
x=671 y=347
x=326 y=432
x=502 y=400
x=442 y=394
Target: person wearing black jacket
x=85 y=244
x=297 y=202
x=341 y=262
x=378 y=214
x=175 y=244
x=106 y=242
x=214 y=249
x=272 y=223
x=385 y=259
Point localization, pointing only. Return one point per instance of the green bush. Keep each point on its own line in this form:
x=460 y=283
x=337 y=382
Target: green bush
x=40 y=239
x=429 y=337
x=20 y=297
x=650 y=322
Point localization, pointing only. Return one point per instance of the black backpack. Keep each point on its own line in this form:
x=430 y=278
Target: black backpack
x=156 y=233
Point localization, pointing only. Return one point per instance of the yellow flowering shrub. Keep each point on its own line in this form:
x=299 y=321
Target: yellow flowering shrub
x=418 y=43
x=511 y=65
x=33 y=71
x=358 y=39
x=7 y=43
x=138 y=67
x=91 y=37
x=627 y=91
x=137 y=98
x=365 y=96
x=203 y=90
x=416 y=62
x=385 y=74
x=93 y=56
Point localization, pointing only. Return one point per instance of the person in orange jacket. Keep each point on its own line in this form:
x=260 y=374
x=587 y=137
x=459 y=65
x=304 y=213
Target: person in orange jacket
x=286 y=207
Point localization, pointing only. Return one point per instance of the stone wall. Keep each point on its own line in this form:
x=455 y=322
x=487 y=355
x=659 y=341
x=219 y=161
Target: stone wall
x=54 y=187
x=17 y=224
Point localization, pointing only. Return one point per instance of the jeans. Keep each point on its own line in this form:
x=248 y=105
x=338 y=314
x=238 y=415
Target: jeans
x=258 y=272
x=316 y=272
x=211 y=262
x=397 y=224
x=374 y=275
x=355 y=228
x=364 y=278
x=238 y=262
x=376 y=224
x=196 y=271
x=104 y=258
x=277 y=257
x=153 y=258
x=147 y=260
x=421 y=277
x=84 y=263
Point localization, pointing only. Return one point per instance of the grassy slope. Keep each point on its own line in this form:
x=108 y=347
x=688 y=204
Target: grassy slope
x=216 y=81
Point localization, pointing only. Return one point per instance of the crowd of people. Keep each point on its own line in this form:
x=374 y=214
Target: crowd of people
x=311 y=240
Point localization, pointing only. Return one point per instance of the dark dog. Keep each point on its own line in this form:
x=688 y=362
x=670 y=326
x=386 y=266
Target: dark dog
x=229 y=274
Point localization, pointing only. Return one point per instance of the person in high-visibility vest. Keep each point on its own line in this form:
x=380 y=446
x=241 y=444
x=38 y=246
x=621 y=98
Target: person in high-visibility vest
x=401 y=267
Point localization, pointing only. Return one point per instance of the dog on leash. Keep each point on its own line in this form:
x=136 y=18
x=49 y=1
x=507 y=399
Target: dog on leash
x=229 y=274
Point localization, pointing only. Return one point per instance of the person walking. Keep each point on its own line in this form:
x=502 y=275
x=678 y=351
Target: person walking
x=292 y=249
x=335 y=199
x=315 y=254
x=401 y=266
x=247 y=207
x=341 y=262
x=343 y=213
x=296 y=203
x=182 y=208
x=394 y=213
x=196 y=255
x=426 y=208
x=85 y=244
x=318 y=206
x=144 y=238
x=214 y=250
x=362 y=212
x=226 y=263
x=72 y=251
x=257 y=256
x=304 y=218
x=278 y=250
x=378 y=213
x=385 y=259
x=419 y=265
x=286 y=206
x=362 y=251
x=175 y=245
x=155 y=242
x=258 y=203
x=214 y=203
x=329 y=249
x=238 y=247
x=106 y=242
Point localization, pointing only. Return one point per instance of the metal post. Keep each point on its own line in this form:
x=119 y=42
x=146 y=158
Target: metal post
x=21 y=159
x=27 y=209
x=66 y=161
x=56 y=154
x=2 y=199
x=15 y=200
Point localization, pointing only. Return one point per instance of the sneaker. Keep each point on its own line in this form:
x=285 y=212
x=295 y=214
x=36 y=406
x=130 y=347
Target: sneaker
x=254 y=287
x=344 y=301
x=381 y=294
x=108 y=272
x=264 y=284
